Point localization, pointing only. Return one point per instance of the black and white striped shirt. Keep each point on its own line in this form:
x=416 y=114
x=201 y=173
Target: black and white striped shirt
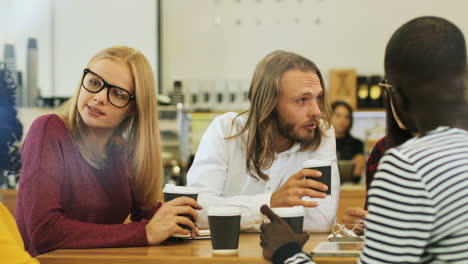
x=418 y=202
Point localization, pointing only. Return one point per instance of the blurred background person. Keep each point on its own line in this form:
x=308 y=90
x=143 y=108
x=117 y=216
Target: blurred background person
x=11 y=131
x=348 y=148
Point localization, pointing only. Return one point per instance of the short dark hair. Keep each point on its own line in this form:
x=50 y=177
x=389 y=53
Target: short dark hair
x=350 y=111
x=425 y=55
x=11 y=129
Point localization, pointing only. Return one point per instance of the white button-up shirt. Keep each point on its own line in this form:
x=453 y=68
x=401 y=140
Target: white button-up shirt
x=219 y=169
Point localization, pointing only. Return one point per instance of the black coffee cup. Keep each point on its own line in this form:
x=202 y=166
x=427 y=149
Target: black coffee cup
x=224 y=229
x=294 y=216
x=324 y=166
x=172 y=192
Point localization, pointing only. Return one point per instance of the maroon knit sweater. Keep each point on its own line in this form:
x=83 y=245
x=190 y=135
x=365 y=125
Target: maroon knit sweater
x=65 y=203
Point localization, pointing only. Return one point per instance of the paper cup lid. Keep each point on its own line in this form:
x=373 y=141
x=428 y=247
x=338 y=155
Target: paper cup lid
x=172 y=188
x=289 y=211
x=316 y=163
x=224 y=211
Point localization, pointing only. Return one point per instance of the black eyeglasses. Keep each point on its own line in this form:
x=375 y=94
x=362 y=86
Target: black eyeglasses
x=390 y=89
x=93 y=83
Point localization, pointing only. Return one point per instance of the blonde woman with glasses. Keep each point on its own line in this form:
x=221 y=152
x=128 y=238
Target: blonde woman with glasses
x=97 y=161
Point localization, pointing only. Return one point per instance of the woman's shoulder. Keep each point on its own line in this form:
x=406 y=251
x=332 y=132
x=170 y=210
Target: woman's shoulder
x=51 y=125
x=49 y=120
x=380 y=147
x=382 y=143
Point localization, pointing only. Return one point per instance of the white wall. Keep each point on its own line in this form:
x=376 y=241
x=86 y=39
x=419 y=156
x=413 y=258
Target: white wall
x=70 y=32
x=21 y=19
x=202 y=39
x=84 y=27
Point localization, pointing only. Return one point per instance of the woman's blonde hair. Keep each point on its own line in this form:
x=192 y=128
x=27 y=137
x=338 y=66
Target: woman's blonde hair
x=140 y=129
x=262 y=126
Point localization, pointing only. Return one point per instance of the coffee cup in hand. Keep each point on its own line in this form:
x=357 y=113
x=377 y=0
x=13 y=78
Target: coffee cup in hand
x=294 y=216
x=172 y=192
x=324 y=166
x=224 y=229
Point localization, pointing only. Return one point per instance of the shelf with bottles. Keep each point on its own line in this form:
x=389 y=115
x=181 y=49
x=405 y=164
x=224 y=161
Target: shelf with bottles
x=369 y=94
x=219 y=95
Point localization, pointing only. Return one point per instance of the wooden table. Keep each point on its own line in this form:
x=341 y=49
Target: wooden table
x=196 y=251
x=8 y=198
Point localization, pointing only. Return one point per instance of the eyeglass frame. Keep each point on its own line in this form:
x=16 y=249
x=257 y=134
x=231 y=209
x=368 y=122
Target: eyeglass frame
x=392 y=90
x=388 y=87
x=106 y=85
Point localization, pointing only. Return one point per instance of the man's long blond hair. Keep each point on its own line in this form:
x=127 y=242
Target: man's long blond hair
x=140 y=129
x=262 y=125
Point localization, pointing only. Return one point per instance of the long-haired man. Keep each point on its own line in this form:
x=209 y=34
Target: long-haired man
x=256 y=157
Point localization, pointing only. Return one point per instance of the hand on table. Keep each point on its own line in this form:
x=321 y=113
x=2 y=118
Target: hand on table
x=353 y=215
x=166 y=220
x=277 y=233
x=291 y=192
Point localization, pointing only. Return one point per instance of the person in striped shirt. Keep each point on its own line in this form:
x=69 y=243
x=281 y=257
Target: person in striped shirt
x=418 y=201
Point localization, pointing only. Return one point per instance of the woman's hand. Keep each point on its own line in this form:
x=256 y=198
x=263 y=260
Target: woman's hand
x=352 y=215
x=166 y=220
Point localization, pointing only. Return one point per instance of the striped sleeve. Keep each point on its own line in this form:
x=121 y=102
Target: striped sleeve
x=401 y=216
x=299 y=258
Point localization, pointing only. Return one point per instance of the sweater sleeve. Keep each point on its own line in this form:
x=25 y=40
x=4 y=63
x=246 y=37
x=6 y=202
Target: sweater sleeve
x=139 y=214
x=372 y=162
x=40 y=213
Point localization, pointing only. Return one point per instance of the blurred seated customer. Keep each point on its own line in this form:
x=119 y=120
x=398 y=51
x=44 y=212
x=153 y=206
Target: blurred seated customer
x=396 y=134
x=347 y=147
x=98 y=160
x=11 y=130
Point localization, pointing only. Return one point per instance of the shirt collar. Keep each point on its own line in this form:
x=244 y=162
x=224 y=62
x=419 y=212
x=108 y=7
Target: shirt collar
x=293 y=149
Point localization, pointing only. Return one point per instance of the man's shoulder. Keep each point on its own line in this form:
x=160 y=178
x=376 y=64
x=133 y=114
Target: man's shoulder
x=228 y=117
x=230 y=122
x=433 y=139
x=427 y=148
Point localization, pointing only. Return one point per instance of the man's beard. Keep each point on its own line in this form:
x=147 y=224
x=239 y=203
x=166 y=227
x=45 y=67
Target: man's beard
x=286 y=130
